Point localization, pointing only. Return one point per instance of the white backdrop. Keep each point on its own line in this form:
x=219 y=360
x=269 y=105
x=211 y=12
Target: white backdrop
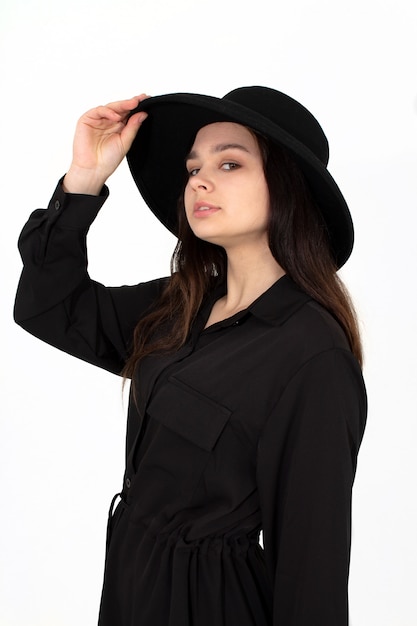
x=352 y=64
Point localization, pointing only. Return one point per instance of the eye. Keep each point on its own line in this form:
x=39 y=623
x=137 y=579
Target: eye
x=193 y=172
x=230 y=165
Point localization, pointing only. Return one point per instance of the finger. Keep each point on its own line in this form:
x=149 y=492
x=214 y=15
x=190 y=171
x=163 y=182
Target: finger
x=114 y=111
x=125 y=106
x=129 y=132
x=143 y=96
x=137 y=118
x=102 y=112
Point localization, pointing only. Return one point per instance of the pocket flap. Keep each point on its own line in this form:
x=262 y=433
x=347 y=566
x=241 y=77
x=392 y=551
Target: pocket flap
x=189 y=413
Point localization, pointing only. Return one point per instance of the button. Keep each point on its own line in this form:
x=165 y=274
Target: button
x=128 y=483
x=236 y=323
x=57 y=205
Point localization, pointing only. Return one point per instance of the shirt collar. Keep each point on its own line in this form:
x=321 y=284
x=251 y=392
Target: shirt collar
x=274 y=306
x=279 y=302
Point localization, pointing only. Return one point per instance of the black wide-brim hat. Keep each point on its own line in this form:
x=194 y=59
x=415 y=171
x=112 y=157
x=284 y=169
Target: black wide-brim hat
x=157 y=156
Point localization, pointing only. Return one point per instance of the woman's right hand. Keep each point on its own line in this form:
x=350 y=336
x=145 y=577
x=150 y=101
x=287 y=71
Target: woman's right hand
x=102 y=139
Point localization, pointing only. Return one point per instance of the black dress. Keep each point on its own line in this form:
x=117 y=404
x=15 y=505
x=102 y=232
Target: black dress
x=255 y=424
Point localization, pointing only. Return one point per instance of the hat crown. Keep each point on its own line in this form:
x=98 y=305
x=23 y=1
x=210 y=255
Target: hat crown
x=286 y=113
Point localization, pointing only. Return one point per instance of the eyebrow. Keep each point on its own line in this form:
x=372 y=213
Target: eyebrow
x=220 y=147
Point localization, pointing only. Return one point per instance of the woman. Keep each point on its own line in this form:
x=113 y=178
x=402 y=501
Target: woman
x=247 y=403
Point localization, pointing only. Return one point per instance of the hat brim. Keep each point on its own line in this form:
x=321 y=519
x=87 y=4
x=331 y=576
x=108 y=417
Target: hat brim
x=157 y=159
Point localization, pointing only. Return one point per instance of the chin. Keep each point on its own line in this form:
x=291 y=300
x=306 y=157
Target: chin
x=207 y=234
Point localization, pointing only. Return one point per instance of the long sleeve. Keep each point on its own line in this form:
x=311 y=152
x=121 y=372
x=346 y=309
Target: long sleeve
x=306 y=466
x=56 y=299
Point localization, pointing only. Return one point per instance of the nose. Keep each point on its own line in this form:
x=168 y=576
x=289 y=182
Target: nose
x=201 y=180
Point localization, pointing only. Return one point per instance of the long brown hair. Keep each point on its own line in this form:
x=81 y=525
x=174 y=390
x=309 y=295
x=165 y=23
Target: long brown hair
x=298 y=240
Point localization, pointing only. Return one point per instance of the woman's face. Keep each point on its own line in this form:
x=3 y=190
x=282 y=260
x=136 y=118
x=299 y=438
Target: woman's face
x=226 y=197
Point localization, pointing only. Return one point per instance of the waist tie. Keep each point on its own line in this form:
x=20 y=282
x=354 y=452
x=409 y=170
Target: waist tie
x=110 y=517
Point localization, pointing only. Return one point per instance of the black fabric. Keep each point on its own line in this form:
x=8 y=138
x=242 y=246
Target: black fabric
x=255 y=424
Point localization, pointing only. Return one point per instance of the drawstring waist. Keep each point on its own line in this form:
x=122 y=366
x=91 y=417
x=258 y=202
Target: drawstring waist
x=122 y=503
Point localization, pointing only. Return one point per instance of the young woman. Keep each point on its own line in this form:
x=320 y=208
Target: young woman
x=247 y=404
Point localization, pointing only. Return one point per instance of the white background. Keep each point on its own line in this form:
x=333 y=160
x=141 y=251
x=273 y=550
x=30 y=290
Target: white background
x=353 y=64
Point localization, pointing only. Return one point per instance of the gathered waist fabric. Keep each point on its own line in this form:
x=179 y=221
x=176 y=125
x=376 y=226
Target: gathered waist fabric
x=166 y=579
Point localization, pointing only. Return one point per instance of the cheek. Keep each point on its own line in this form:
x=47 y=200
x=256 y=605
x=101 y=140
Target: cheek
x=187 y=195
x=265 y=198
x=188 y=203
x=260 y=198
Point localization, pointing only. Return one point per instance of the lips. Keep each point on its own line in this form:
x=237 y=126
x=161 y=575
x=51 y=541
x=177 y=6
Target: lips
x=204 y=208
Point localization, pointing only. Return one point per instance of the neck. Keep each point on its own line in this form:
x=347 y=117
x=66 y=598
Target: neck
x=249 y=274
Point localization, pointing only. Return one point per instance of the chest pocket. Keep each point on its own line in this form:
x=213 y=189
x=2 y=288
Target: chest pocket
x=189 y=413
x=182 y=432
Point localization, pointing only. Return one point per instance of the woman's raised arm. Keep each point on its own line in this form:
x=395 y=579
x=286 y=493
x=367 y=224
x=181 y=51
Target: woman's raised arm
x=56 y=299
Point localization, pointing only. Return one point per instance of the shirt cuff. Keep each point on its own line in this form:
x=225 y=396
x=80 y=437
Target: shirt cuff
x=75 y=210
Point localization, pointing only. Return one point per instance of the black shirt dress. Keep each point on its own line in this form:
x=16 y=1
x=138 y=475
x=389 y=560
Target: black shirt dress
x=255 y=424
